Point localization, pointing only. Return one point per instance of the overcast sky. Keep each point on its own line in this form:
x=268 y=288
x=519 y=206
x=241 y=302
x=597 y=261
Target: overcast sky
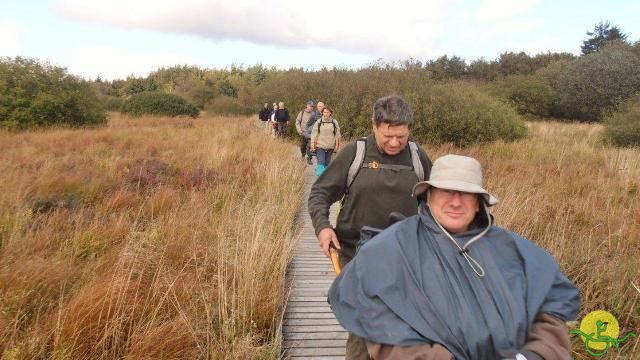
x=118 y=38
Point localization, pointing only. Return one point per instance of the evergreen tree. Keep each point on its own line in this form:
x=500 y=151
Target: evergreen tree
x=601 y=35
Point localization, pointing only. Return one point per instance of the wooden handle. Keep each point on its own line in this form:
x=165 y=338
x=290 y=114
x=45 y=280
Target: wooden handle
x=334 y=260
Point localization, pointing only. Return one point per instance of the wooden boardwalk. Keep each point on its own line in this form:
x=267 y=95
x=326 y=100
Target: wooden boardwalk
x=310 y=331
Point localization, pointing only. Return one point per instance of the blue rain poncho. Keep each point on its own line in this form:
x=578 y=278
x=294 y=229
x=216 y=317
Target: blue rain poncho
x=410 y=285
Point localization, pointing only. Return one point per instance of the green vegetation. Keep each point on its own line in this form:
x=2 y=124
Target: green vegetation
x=622 y=128
x=157 y=103
x=598 y=82
x=602 y=35
x=37 y=94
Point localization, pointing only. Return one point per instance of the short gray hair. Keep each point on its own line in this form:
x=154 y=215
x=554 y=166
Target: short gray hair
x=392 y=110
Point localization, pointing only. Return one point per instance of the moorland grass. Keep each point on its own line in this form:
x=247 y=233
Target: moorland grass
x=169 y=238
x=150 y=238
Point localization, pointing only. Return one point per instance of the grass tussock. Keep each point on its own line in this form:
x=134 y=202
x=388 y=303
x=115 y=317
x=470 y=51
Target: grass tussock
x=150 y=238
x=580 y=200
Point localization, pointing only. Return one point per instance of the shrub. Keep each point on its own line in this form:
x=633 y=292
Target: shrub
x=457 y=113
x=112 y=103
x=36 y=94
x=158 y=103
x=598 y=82
x=463 y=115
x=528 y=94
x=225 y=105
x=622 y=128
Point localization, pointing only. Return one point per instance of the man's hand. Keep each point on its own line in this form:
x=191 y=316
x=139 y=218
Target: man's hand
x=326 y=237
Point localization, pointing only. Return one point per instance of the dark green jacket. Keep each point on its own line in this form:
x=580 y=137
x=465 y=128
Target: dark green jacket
x=373 y=195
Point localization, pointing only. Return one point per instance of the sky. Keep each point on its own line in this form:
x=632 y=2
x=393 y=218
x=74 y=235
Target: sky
x=115 y=39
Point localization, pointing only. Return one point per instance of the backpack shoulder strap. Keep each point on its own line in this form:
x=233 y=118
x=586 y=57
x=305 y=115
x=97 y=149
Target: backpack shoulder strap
x=415 y=161
x=356 y=164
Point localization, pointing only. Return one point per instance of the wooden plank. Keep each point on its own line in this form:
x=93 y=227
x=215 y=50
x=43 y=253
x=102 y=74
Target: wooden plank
x=315 y=343
x=301 y=315
x=315 y=351
x=309 y=309
x=336 y=335
x=307 y=298
x=311 y=328
x=294 y=322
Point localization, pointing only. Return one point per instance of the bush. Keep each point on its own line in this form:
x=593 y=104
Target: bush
x=457 y=113
x=225 y=105
x=622 y=128
x=528 y=94
x=112 y=103
x=158 y=103
x=35 y=94
x=461 y=114
x=596 y=83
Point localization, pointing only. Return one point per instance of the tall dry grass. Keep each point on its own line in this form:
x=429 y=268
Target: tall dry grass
x=151 y=238
x=579 y=200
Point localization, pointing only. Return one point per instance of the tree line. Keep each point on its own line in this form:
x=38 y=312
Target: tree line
x=507 y=90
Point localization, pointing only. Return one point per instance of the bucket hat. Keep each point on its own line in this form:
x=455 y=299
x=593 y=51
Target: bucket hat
x=456 y=172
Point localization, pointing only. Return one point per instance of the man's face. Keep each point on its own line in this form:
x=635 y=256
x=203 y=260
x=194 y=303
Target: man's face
x=391 y=139
x=320 y=107
x=454 y=210
x=309 y=108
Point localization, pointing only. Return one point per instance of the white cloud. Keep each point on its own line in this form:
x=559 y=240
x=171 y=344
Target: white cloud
x=400 y=29
x=498 y=10
x=109 y=63
x=9 y=37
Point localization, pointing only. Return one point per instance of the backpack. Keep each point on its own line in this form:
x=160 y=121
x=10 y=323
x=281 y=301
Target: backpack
x=332 y=123
x=358 y=162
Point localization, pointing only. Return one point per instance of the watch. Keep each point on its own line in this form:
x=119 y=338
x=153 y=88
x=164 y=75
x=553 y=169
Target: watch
x=520 y=357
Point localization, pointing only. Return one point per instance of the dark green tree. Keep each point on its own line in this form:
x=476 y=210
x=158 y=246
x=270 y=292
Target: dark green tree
x=601 y=35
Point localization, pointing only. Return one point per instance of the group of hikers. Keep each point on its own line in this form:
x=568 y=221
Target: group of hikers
x=318 y=129
x=426 y=272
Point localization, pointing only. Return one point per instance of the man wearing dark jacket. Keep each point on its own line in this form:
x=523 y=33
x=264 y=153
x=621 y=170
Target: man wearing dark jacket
x=264 y=114
x=382 y=185
x=282 y=120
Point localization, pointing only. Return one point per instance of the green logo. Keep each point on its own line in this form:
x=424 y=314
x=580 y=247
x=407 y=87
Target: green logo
x=599 y=330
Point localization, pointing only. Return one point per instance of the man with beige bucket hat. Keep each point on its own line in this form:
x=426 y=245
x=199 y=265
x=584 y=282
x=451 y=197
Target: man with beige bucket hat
x=450 y=284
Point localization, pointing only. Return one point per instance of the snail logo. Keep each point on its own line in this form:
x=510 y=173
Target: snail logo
x=599 y=330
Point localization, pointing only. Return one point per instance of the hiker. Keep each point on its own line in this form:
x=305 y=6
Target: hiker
x=449 y=284
x=273 y=124
x=373 y=176
x=264 y=115
x=325 y=139
x=304 y=122
x=282 y=120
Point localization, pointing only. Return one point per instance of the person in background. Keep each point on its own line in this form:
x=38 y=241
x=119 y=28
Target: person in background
x=264 y=115
x=381 y=186
x=304 y=124
x=325 y=139
x=273 y=124
x=282 y=120
x=449 y=284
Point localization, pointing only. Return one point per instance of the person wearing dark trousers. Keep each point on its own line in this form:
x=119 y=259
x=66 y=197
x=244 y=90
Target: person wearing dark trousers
x=282 y=120
x=386 y=175
x=264 y=115
x=304 y=123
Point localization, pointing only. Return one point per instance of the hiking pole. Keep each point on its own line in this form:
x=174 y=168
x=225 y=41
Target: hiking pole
x=334 y=259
